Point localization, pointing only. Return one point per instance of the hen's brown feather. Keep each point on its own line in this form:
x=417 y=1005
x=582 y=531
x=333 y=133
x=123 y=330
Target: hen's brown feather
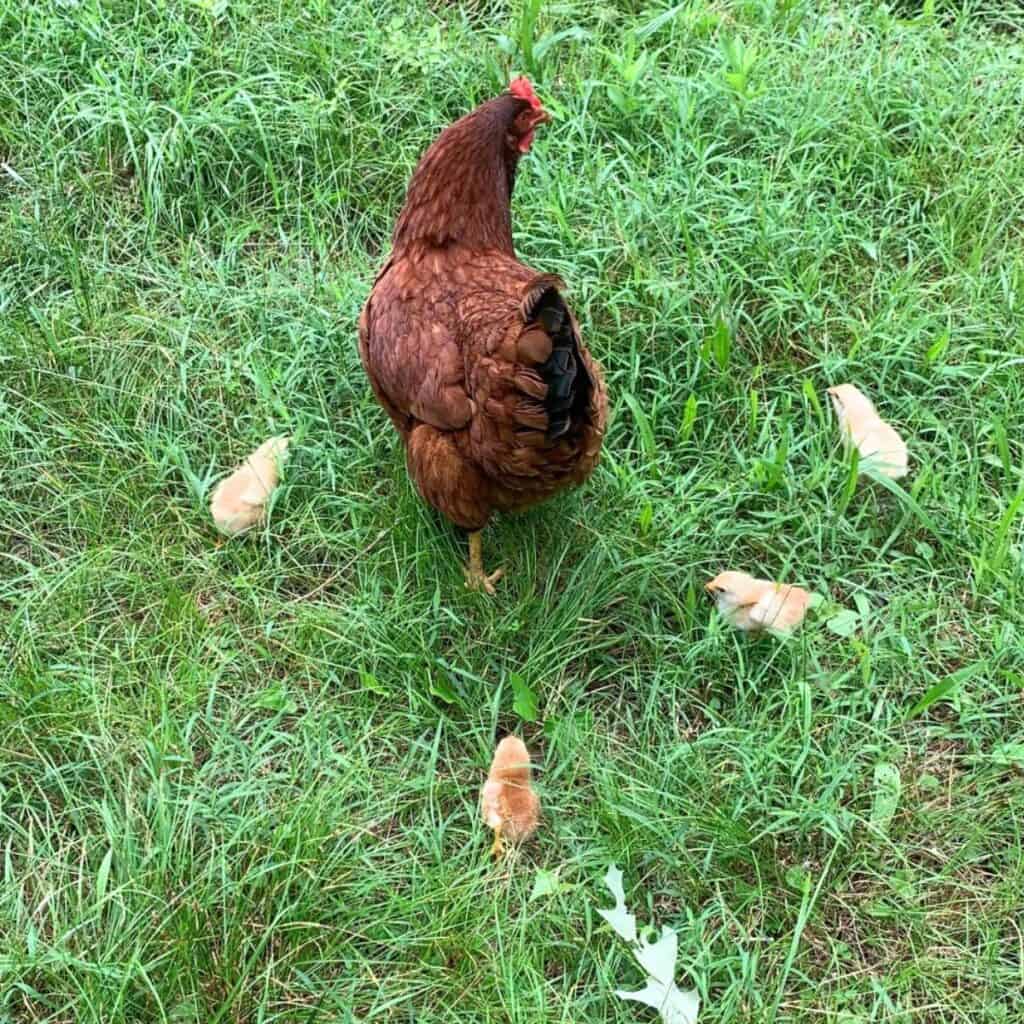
x=475 y=357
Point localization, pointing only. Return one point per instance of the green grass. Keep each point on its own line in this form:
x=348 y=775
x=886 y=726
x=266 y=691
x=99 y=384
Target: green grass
x=208 y=815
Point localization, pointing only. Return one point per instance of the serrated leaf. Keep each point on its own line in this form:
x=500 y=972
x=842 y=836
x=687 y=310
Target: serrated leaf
x=618 y=917
x=524 y=701
x=658 y=959
x=888 y=788
x=674 y=1005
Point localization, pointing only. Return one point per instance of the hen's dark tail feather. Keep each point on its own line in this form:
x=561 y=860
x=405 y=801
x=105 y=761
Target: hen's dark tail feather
x=564 y=371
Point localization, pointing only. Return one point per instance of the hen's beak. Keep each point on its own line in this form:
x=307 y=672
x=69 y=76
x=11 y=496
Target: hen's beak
x=542 y=117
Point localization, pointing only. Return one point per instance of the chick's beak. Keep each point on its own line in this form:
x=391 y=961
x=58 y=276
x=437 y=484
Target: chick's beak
x=709 y=588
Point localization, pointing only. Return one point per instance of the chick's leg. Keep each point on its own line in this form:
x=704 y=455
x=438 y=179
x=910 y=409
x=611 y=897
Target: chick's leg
x=496 y=847
x=476 y=577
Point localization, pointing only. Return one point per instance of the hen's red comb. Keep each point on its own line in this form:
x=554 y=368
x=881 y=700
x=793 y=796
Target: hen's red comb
x=521 y=88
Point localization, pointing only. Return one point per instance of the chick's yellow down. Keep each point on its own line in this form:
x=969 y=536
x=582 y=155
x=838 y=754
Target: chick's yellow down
x=239 y=502
x=508 y=803
x=880 y=447
x=753 y=604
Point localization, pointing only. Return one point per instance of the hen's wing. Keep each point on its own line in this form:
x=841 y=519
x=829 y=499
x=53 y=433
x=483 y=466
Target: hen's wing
x=551 y=331
x=532 y=359
x=538 y=399
x=409 y=350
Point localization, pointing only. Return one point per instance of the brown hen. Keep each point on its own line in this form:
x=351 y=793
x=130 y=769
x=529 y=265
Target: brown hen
x=476 y=357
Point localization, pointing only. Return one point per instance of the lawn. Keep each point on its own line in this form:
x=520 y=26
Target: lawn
x=238 y=781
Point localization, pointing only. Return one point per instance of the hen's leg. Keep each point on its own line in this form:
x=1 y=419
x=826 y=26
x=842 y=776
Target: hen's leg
x=476 y=577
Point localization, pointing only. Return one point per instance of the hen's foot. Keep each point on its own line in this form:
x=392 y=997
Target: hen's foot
x=480 y=580
x=476 y=577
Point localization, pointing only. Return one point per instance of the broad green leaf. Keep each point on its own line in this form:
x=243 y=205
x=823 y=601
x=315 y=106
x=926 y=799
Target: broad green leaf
x=524 y=701
x=721 y=343
x=797 y=878
x=902 y=884
x=945 y=688
x=276 y=698
x=645 y=519
x=1007 y=755
x=844 y=623
x=618 y=98
x=643 y=425
x=811 y=394
x=937 y=349
x=547 y=883
x=689 y=418
x=441 y=688
x=372 y=683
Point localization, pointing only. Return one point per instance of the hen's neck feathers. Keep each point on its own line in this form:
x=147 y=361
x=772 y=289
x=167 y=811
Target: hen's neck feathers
x=461 y=190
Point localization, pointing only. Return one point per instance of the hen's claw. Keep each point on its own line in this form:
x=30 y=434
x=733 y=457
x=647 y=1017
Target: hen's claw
x=476 y=577
x=479 y=580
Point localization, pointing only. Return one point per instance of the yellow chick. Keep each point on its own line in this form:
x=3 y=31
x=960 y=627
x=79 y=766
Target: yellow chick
x=239 y=501
x=880 y=447
x=752 y=605
x=507 y=801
